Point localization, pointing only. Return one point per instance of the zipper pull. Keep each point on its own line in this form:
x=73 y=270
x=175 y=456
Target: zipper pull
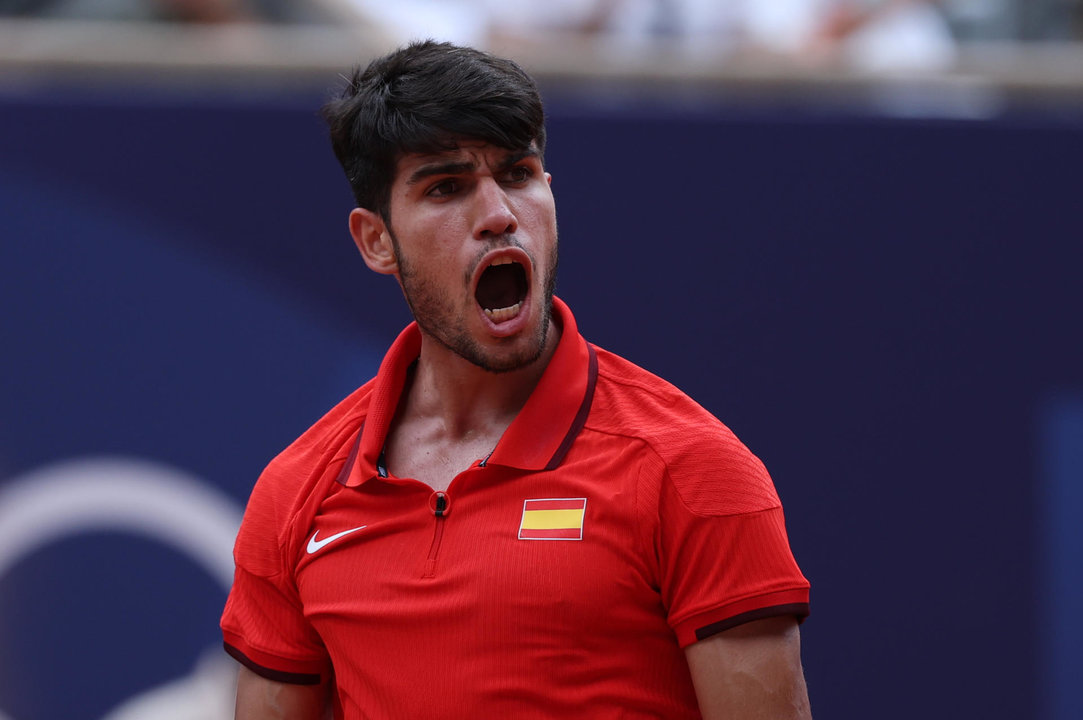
x=439 y=504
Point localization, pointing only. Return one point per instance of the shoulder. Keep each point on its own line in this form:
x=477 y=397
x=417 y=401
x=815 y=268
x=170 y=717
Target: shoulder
x=290 y=483
x=325 y=440
x=703 y=461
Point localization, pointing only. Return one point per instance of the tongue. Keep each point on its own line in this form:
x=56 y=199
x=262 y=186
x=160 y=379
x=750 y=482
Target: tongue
x=499 y=287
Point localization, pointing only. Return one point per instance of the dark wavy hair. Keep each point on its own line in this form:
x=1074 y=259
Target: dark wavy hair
x=427 y=97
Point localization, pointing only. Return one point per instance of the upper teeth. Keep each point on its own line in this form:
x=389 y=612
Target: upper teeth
x=501 y=261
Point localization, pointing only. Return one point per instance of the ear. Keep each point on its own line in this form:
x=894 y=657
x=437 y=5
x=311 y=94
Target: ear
x=548 y=178
x=373 y=240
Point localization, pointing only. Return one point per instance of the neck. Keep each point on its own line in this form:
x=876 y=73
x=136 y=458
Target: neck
x=468 y=400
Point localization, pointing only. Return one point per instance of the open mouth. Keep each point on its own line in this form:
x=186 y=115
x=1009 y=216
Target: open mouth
x=502 y=289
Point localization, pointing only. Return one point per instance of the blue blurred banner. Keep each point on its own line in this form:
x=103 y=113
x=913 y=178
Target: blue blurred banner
x=1061 y=598
x=878 y=307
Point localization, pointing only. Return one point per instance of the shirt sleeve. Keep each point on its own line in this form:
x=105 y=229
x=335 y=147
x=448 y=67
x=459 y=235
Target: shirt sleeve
x=724 y=554
x=263 y=624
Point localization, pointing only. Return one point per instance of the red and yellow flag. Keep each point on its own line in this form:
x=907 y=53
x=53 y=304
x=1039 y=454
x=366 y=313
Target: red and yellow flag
x=553 y=519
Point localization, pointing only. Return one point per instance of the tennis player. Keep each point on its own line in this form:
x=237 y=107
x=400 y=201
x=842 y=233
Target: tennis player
x=507 y=521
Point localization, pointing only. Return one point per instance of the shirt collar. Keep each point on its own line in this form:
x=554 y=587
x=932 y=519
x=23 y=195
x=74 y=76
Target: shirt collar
x=537 y=439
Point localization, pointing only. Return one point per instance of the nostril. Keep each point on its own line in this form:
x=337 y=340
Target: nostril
x=498 y=224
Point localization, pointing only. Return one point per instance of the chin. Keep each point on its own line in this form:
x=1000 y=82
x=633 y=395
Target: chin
x=505 y=362
x=521 y=352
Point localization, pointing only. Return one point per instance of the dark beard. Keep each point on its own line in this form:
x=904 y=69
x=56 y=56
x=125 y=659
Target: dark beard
x=436 y=317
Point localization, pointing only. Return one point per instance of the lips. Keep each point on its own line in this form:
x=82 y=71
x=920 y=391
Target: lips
x=502 y=287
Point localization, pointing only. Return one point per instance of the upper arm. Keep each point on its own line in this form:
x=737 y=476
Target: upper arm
x=261 y=699
x=752 y=671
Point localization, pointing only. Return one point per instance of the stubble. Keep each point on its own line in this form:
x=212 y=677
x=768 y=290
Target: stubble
x=439 y=317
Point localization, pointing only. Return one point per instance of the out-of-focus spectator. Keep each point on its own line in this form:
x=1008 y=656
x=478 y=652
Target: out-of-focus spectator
x=1056 y=20
x=178 y=11
x=870 y=34
x=885 y=35
x=465 y=22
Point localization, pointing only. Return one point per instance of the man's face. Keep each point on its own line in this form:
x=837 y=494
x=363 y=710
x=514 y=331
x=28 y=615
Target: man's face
x=475 y=236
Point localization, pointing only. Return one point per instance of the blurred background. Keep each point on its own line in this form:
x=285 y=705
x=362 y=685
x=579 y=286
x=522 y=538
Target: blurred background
x=845 y=227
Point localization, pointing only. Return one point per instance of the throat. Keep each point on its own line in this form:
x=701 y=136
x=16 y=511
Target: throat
x=501 y=290
x=424 y=450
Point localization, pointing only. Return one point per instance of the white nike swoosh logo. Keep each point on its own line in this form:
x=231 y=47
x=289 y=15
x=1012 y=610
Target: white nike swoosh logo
x=314 y=544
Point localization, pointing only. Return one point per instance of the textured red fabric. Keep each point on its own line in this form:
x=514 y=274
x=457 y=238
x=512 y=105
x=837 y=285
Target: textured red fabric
x=452 y=615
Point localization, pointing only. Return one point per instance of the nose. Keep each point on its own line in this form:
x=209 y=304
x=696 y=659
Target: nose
x=493 y=212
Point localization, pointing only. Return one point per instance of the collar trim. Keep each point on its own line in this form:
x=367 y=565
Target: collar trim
x=540 y=436
x=347 y=468
x=581 y=416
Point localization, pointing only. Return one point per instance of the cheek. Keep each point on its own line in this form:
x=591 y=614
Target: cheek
x=450 y=231
x=433 y=239
x=540 y=213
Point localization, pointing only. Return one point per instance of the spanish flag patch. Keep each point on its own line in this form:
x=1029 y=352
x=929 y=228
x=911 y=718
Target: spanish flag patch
x=553 y=519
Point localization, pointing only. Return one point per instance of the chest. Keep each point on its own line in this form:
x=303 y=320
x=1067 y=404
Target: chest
x=507 y=582
x=495 y=550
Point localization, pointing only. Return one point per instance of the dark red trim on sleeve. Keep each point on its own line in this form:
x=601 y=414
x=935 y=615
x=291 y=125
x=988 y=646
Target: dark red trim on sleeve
x=581 y=416
x=270 y=674
x=799 y=610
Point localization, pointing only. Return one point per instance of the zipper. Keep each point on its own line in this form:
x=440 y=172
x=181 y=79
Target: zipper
x=440 y=506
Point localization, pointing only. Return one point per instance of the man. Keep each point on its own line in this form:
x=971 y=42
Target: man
x=506 y=522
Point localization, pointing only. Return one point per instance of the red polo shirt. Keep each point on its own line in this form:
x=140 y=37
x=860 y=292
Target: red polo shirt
x=615 y=523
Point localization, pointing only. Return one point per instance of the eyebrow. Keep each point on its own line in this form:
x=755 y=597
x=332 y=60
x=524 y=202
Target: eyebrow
x=460 y=168
x=439 y=168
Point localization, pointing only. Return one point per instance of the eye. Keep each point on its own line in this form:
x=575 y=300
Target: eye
x=518 y=174
x=443 y=188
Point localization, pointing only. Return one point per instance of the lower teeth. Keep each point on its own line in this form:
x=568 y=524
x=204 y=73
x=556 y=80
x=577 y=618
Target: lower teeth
x=502 y=314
